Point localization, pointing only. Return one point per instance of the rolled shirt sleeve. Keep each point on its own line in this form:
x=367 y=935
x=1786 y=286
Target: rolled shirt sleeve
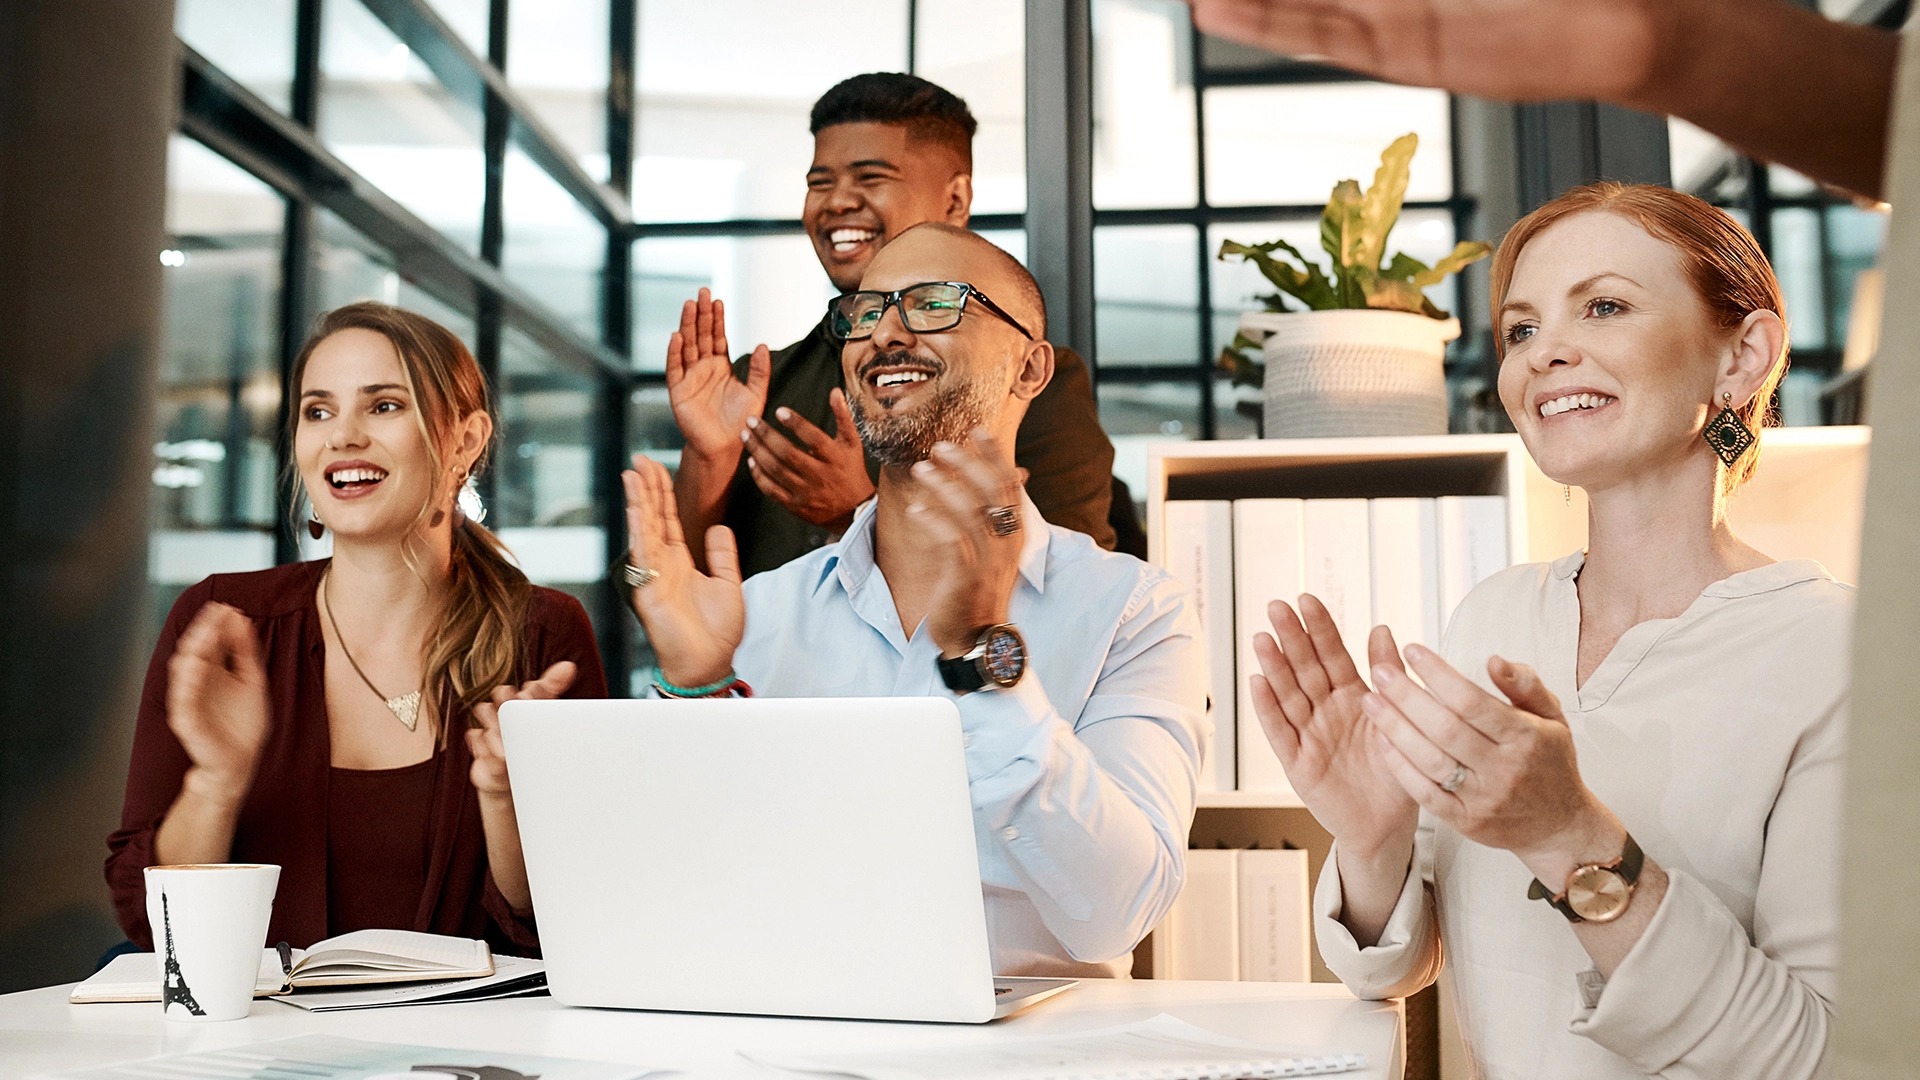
x=1407 y=957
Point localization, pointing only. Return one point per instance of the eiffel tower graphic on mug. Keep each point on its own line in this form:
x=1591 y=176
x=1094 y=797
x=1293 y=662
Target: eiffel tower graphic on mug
x=173 y=989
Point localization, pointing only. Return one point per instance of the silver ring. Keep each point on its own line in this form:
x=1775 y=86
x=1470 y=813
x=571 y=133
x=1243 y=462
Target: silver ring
x=1003 y=520
x=1454 y=781
x=638 y=577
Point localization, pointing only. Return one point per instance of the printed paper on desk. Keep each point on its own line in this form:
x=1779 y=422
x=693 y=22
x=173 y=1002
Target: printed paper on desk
x=1163 y=1048
x=325 y=1057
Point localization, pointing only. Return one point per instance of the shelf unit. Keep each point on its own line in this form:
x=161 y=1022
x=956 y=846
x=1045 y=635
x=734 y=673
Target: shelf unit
x=1806 y=501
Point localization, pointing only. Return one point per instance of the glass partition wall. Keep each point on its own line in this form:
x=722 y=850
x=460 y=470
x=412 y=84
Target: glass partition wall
x=553 y=180
x=454 y=157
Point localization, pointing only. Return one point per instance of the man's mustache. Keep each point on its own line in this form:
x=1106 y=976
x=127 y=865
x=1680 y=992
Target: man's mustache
x=901 y=358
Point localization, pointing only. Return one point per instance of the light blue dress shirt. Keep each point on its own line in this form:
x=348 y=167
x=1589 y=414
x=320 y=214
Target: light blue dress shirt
x=1083 y=774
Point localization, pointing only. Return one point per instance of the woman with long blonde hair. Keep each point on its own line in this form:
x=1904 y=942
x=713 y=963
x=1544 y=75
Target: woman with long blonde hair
x=337 y=717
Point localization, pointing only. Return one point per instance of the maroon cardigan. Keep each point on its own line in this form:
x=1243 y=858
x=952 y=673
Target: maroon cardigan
x=284 y=818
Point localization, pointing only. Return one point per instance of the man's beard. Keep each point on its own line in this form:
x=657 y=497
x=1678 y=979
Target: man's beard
x=950 y=415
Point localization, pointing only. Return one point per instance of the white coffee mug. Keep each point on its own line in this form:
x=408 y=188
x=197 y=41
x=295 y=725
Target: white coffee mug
x=209 y=925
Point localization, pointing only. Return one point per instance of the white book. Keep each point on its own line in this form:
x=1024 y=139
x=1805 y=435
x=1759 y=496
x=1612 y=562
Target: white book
x=1274 y=926
x=1199 y=553
x=1404 y=542
x=1200 y=937
x=1269 y=557
x=360 y=958
x=1473 y=545
x=1338 y=571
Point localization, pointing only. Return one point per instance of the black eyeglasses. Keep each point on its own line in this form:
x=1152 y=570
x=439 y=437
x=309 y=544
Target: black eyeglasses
x=926 y=308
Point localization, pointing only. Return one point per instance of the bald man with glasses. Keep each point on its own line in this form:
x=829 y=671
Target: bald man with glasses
x=1078 y=673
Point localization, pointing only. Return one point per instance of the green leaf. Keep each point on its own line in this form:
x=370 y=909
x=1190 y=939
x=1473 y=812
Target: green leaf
x=1404 y=267
x=1340 y=234
x=1310 y=286
x=1463 y=254
x=1380 y=207
x=1396 y=296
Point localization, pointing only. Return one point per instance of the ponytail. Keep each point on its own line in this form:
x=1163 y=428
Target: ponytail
x=480 y=640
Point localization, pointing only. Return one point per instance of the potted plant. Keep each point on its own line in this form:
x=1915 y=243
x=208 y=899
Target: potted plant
x=1366 y=356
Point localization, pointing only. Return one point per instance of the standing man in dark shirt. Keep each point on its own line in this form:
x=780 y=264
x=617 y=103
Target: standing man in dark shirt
x=771 y=448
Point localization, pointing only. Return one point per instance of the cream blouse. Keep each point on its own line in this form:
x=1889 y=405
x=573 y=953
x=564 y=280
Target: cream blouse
x=1717 y=737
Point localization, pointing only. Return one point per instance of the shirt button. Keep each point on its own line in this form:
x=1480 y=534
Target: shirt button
x=1010 y=833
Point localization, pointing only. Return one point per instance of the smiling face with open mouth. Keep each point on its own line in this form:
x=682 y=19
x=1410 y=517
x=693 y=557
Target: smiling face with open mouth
x=360 y=445
x=868 y=183
x=1611 y=355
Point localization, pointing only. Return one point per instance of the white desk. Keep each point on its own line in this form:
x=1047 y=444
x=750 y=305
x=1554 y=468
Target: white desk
x=39 y=1031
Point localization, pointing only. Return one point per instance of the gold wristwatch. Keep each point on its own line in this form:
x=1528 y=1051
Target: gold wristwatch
x=1596 y=892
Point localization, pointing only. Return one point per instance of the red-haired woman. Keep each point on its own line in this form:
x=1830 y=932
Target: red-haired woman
x=1615 y=803
x=338 y=717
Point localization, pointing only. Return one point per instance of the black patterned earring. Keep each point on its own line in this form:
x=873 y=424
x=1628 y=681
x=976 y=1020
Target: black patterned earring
x=1726 y=434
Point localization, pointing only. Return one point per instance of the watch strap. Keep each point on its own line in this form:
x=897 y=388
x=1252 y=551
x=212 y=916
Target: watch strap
x=962 y=674
x=1627 y=866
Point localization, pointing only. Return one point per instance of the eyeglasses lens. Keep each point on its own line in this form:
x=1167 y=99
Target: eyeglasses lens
x=924 y=308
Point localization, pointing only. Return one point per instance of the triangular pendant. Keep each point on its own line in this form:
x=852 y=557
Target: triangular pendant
x=407 y=708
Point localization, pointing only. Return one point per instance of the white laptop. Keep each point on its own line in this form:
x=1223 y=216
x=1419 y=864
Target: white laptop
x=792 y=857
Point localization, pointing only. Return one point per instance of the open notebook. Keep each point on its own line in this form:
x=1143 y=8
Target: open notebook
x=361 y=958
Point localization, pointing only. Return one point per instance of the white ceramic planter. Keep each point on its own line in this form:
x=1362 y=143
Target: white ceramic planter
x=1352 y=372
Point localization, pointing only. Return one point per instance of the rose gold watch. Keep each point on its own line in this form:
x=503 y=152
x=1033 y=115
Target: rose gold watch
x=1596 y=892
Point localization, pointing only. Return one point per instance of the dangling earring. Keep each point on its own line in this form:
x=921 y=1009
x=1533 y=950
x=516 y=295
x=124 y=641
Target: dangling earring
x=315 y=527
x=1566 y=492
x=1728 y=437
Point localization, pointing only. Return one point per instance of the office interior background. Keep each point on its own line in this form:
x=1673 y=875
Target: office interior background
x=553 y=179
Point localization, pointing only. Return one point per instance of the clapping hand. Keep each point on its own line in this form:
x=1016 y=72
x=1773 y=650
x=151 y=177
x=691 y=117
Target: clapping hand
x=489 y=772
x=1511 y=764
x=1311 y=702
x=822 y=479
x=217 y=701
x=710 y=405
x=960 y=488
x=695 y=621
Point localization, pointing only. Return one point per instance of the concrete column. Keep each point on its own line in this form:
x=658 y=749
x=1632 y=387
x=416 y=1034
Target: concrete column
x=86 y=103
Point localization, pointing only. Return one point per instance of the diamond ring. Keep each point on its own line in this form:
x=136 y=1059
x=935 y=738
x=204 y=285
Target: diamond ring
x=1454 y=781
x=638 y=576
x=1003 y=520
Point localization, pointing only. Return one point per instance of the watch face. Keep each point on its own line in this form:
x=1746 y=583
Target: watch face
x=1597 y=895
x=1006 y=657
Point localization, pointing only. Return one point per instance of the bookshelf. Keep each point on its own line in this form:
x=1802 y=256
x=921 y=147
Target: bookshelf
x=1806 y=501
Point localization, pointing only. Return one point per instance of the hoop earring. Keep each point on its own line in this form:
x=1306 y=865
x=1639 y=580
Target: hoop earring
x=315 y=527
x=1726 y=435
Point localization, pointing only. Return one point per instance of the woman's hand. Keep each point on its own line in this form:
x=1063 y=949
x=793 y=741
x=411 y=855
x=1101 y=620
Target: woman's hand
x=217 y=702
x=489 y=772
x=694 y=621
x=1309 y=701
x=1521 y=789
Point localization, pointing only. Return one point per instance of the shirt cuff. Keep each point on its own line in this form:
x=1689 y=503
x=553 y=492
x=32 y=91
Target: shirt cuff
x=1377 y=970
x=1674 y=985
x=1004 y=726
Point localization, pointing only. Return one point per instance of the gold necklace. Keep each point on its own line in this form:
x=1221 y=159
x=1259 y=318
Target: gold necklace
x=406 y=707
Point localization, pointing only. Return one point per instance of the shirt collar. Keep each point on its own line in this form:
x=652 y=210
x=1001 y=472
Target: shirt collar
x=1775 y=575
x=852 y=560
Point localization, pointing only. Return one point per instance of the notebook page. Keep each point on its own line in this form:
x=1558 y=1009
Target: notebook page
x=1163 y=1048
x=136 y=977
x=396 y=950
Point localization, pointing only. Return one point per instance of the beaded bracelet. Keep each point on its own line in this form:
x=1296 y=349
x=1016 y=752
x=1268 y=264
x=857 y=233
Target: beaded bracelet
x=712 y=689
